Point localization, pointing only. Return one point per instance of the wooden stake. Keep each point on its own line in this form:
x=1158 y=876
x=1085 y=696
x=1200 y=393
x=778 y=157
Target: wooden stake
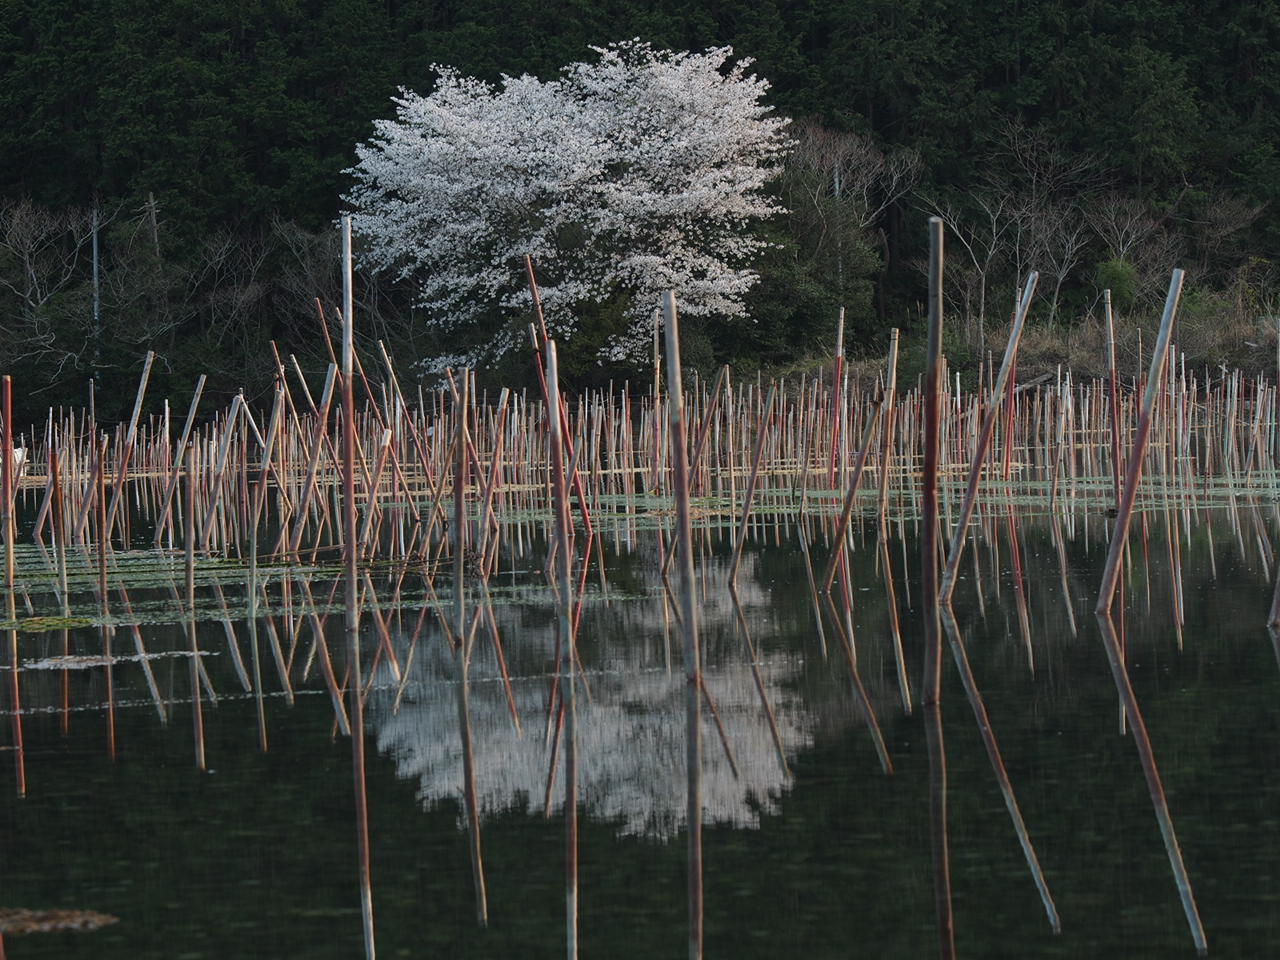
x=688 y=625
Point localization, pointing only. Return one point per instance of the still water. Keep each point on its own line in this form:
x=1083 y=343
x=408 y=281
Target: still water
x=811 y=849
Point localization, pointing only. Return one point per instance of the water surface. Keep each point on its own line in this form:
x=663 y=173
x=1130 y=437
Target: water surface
x=822 y=855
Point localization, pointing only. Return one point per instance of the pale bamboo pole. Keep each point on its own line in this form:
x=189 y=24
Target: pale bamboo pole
x=886 y=433
x=320 y=436
x=749 y=496
x=143 y=658
x=1106 y=595
x=842 y=525
x=371 y=507
x=712 y=406
x=58 y=529
x=6 y=477
x=463 y=652
x=889 y=419
x=189 y=566
x=837 y=382
x=564 y=600
x=688 y=626
x=166 y=501
x=215 y=489
x=122 y=466
x=7 y=470
x=1152 y=774
x=352 y=613
x=1113 y=396
x=255 y=516
x=1273 y=617
x=326 y=662
x=100 y=507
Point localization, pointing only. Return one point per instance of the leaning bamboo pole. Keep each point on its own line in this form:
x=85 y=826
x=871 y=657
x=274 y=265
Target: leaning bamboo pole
x=967 y=506
x=122 y=460
x=1133 y=473
x=1111 y=643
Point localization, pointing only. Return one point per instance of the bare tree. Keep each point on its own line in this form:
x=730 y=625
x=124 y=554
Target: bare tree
x=42 y=254
x=138 y=286
x=1154 y=260
x=1033 y=165
x=1133 y=235
x=1122 y=223
x=1048 y=190
x=853 y=170
x=1062 y=235
x=839 y=185
x=1216 y=227
x=309 y=271
x=981 y=228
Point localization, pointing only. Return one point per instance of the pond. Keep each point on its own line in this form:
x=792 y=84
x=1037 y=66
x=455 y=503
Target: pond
x=811 y=847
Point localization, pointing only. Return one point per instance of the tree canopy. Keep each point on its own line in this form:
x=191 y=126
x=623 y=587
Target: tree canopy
x=635 y=172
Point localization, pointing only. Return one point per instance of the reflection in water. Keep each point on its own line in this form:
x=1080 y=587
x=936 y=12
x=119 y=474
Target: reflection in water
x=978 y=705
x=1152 y=773
x=1056 y=732
x=631 y=738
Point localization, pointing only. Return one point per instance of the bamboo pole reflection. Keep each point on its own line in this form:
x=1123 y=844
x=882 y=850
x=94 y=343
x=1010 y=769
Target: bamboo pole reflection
x=744 y=630
x=843 y=620
x=463 y=640
x=978 y=705
x=1151 y=772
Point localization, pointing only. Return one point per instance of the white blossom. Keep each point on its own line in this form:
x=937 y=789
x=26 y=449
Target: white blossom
x=633 y=173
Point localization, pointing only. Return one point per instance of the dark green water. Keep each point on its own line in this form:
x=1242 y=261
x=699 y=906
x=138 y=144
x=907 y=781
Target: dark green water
x=257 y=856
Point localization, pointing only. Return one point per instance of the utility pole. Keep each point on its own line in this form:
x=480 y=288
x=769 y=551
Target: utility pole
x=97 y=295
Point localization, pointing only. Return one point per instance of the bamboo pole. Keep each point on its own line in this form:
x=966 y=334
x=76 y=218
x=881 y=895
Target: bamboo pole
x=1119 y=537
x=984 y=441
x=352 y=613
x=978 y=705
x=1113 y=396
x=463 y=653
x=15 y=665
x=122 y=465
x=569 y=659
x=749 y=497
x=932 y=676
x=167 y=499
x=189 y=566
x=688 y=626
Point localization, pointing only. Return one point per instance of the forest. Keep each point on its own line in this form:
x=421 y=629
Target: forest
x=171 y=175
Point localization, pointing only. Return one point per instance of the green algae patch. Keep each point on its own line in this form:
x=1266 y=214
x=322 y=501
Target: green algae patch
x=45 y=624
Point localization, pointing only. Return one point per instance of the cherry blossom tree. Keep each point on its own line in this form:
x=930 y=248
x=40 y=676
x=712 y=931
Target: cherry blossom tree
x=636 y=172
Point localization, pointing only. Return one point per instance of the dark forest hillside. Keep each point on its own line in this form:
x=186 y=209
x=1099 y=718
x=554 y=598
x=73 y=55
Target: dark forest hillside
x=1098 y=142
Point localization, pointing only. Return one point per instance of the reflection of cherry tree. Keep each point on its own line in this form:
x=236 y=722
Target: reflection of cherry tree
x=631 y=735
